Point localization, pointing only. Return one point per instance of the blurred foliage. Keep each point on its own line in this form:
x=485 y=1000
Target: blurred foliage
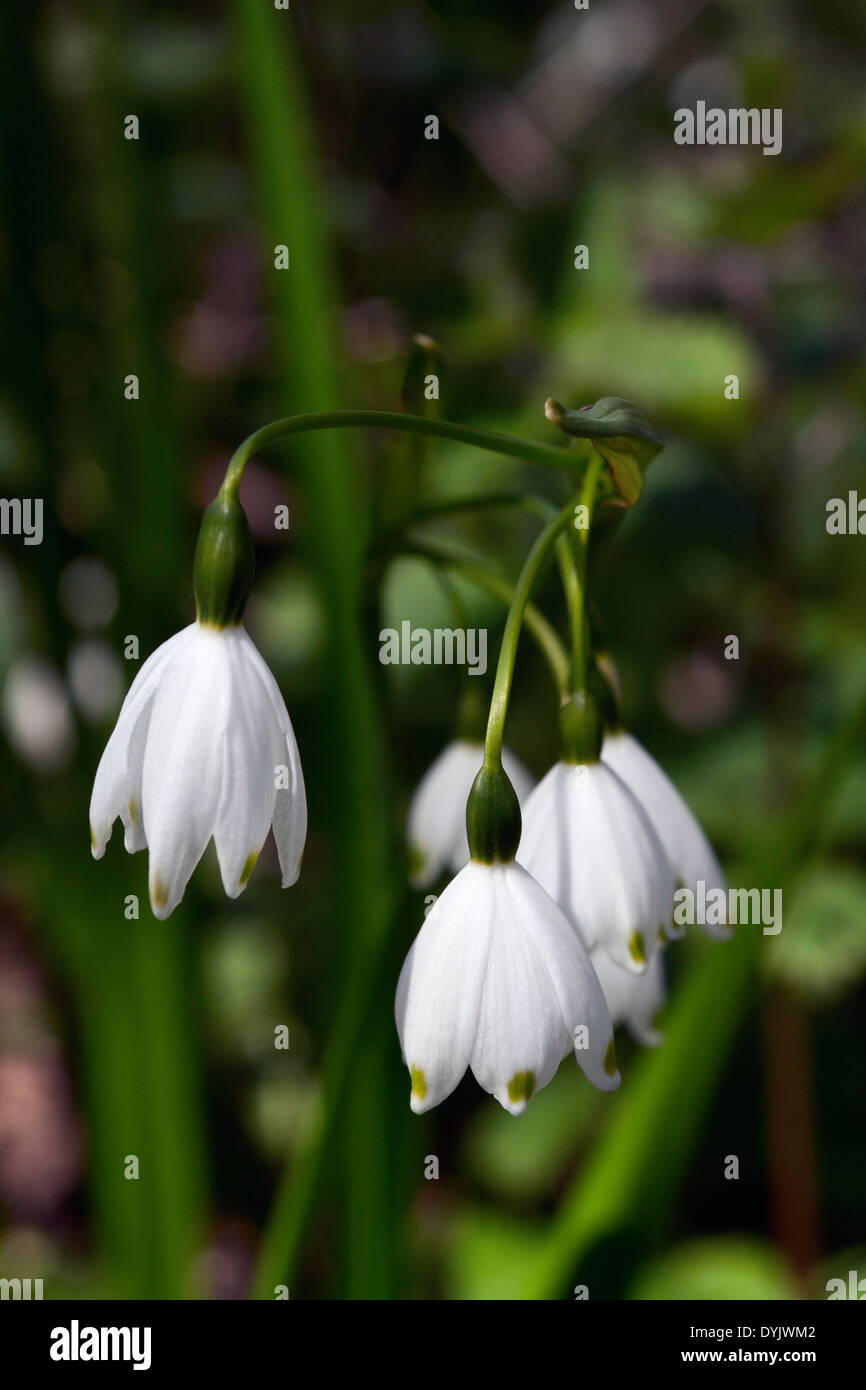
x=727 y=1267
x=155 y=257
x=825 y=935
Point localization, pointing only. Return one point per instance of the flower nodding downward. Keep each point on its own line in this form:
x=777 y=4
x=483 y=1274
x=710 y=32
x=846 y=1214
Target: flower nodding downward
x=203 y=748
x=589 y=842
x=690 y=853
x=498 y=981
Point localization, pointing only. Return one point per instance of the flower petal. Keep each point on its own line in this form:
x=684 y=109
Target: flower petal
x=539 y=989
x=439 y=991
x=290 y=802
x=436 y=823
x=687 y=847
x=634 y=1000
x=247 y=799
x=117 y=781
x=185 y=763
x=589 y=843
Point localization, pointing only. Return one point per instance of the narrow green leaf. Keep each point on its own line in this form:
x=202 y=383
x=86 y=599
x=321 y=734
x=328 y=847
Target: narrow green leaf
x=824 y=949
x=655 y=1120
x=293 y=212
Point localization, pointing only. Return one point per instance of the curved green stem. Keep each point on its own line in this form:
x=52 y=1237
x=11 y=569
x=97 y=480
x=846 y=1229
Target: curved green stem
x=544 y=543
x=482 y=578
x=567 y=563
x=526 y=449
x=579 y=625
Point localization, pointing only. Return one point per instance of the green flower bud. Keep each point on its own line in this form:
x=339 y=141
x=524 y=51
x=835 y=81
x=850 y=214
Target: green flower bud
x=581 y=728
x=224 y=563
x=493 y=821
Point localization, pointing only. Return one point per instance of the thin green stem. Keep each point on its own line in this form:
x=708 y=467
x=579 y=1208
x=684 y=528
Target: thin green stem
x=541 y=548
x=579 y=624
x=565 y=558
x=526 y=449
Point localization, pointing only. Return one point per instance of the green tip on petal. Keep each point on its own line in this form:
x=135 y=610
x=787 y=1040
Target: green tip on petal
x=610 y=1059
x=248 y=868
x=132 y=808
x=159 y=894
x=636 y=947
x=521 y=1086
x=419 y=1083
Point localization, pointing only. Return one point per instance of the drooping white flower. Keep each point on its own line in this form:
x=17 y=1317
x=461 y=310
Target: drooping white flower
x=634 y=1000
x=498 y=981
x=687 y=847
x=203 y=747
x=436 y=823
x=588 y=841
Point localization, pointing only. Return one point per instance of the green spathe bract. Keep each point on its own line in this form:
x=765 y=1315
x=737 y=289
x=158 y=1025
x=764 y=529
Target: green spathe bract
x=224 y=562
x=493 y=821
x=620 y=432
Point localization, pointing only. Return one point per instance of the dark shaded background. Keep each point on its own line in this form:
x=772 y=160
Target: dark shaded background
x=155 y=257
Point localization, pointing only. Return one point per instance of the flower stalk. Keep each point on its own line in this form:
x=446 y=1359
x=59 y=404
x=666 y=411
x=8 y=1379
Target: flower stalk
x=541 y=548
x=530 y=451
x=579 y=621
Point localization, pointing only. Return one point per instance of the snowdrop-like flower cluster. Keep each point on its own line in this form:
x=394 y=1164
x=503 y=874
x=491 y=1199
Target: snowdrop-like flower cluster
x=520 y=961
x=203 y=746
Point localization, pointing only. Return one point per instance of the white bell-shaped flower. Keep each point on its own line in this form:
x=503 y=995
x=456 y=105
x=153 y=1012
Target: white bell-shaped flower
x=588 y=841
x=203 y=747
x=498 y=981
x=634 y=1000
x=687 y=847
x=436 y=823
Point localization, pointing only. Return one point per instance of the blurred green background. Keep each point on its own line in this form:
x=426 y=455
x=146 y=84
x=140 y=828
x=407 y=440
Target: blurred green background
x=155 y=257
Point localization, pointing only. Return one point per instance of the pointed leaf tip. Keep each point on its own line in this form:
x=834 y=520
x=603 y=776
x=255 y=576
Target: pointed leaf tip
x=620 y=432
